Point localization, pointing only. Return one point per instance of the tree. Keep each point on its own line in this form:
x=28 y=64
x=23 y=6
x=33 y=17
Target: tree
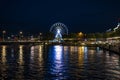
x=91 y=35
x=98 y=35
x=48 y=36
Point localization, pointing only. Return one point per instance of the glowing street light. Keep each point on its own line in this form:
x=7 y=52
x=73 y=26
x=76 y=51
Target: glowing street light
x=4 y=32
x=80 y=34
x=20 y=33
x=40 y=36
x=40 y=33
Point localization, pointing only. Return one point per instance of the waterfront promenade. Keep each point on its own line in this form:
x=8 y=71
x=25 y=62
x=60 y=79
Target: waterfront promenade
x=111 y=47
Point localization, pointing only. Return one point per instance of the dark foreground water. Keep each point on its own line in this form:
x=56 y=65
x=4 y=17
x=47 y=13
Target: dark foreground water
x=25 y=62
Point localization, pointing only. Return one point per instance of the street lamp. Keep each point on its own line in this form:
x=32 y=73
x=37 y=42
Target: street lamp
x=4 y=34
x=80 y=34
x=40 y=35
x=21 y=32
x=20 y=35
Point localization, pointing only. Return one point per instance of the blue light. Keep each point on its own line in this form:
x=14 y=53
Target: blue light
x=58 y=34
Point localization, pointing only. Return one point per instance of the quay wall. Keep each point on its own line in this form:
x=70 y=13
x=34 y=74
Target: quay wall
x=113 y=48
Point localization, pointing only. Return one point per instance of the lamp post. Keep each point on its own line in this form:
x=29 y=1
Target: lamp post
x=80 y=35
x=20 y=35
x=40 y=36
x=4 y=35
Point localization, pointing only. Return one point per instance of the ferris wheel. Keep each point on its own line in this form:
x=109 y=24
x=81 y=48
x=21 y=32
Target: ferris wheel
x=59 y=28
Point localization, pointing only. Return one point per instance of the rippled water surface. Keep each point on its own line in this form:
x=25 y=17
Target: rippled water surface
x=39 y=62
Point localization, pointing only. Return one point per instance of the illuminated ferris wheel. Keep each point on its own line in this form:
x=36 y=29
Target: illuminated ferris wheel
x=59 y=29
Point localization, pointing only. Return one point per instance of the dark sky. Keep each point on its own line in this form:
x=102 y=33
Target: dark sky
x=78 y=15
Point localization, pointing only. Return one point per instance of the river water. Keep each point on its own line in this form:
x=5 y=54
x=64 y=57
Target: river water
x=39 y=62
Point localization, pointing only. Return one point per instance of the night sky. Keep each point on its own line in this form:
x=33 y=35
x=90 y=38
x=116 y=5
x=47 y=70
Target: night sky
x=78 y=15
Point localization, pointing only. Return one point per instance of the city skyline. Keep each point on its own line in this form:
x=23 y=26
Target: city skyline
x=38 y=16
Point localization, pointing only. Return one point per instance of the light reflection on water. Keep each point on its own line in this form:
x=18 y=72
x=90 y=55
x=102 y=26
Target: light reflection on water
x=58 y=62
x=58 y=53
x=81 y=55
x=3 y=54
x=21 y=54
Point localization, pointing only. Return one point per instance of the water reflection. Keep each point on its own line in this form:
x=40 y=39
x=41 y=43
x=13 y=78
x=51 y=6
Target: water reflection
x=66 y=49
x=81 y=55
x=21 y=54
x=57 y=59
x=3 y=61
x=31 y=62
x=3 y=54
x=58 y=53
x=112 y=65
x=20 y=69
x=85 y=53
x=40 y=55
x=73 y=49
x=55 y=62
x=32 y=53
